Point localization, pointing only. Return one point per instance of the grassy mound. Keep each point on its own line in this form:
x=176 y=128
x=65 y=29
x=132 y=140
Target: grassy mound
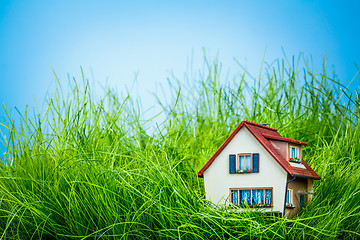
x=92 y=169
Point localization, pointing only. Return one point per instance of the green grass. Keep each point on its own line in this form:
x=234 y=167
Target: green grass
x=93 y=169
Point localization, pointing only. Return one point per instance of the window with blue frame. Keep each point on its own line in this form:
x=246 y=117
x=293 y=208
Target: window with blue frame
x=258 y=197
x=289 y=198
x=294 y=152
x=302 y=201
x=244 y=163
x=268 y=196
x=245 y=197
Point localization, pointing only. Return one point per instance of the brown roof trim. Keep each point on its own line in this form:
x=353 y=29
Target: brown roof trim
x=284 y=139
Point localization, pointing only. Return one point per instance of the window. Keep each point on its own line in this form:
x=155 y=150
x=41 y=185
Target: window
x=244 y=163
x=258 y=197
x=294 y=154
x=289 y=198
x=302 y=201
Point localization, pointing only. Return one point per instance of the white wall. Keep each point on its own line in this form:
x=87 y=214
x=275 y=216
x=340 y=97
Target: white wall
x=218 y=180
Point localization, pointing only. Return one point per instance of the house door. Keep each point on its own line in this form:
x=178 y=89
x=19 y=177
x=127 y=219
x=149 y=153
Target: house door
x=302 y=201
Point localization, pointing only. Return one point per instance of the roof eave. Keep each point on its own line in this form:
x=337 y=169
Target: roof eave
x=304 y=176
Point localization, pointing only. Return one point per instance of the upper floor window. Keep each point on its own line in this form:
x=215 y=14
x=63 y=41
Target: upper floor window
x=289 y=198
x=294 y=154
x=244 y=163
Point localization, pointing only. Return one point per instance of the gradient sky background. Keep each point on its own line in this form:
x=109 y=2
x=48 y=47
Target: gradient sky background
x=116 y=39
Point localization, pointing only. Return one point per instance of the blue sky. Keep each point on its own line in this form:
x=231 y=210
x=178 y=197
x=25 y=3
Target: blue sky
x=113 y=40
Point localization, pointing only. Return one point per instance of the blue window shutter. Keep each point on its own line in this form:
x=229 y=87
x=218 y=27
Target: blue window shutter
x=232 y=164
x=256 y=162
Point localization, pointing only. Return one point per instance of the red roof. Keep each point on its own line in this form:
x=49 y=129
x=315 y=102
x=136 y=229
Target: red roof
x=262 y=134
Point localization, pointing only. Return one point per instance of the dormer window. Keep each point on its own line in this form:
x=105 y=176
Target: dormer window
x=294 y=154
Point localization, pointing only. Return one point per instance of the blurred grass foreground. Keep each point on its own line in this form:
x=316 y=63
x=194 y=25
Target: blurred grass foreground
x=90 y=168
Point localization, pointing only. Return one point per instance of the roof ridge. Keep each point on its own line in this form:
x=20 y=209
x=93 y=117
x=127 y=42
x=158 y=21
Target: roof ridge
x=260 y=125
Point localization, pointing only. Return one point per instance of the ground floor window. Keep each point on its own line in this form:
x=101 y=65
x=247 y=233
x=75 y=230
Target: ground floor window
x=252 y=197
x=302 y=201
x=289 y=198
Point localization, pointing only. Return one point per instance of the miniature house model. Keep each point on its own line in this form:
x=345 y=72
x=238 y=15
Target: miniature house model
x=258 y=168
